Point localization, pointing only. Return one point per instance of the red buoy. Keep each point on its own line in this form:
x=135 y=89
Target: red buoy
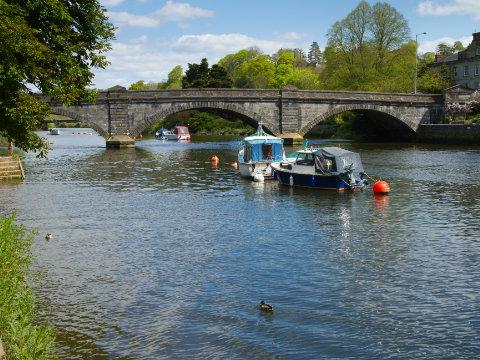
x=214 y=159
x=381 y=187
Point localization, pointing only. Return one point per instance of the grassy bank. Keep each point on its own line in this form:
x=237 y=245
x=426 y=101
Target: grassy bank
x=22 y=338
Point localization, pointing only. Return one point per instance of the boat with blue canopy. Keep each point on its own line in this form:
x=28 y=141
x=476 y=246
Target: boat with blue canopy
x=331 y=168
x=258 y=152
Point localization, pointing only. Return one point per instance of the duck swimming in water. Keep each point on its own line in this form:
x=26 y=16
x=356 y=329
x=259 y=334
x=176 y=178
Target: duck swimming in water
x=48 y=236
x=265 y=307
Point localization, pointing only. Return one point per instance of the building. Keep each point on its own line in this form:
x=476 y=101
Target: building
x=464 y=65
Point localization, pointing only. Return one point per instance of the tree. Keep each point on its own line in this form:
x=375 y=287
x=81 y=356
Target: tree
x=175 y=77
x=138 y=85
x=315 y=55
x=256 y=73
x=389 y=31
x=233 y=62
x=200 y=76
x=445 y=49
x=219 y=78
x=49 y=45
x=362 y=50
x=196 y=75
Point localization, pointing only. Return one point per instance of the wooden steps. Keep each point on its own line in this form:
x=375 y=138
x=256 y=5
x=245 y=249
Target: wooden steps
x=11 y=168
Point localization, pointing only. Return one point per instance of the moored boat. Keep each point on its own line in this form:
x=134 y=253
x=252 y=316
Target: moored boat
x=54 y=131
x=258 y=152
x=177 y=133
x=330 y=168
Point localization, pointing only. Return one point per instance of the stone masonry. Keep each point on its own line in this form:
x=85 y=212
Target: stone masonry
x=120 y=115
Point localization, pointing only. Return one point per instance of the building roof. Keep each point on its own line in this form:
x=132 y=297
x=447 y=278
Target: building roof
x=449 y=58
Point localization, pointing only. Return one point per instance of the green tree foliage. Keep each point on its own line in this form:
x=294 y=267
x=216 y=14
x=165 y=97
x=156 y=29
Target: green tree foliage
x=445 y=49
x=256 y=73
x=175 y=77
x=315 y=55
x=363 y=51
x=433 y=79
x=138 y=85
x=200 y=76
x=233 y=62
x=50 y=45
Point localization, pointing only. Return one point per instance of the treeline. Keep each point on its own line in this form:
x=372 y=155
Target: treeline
x=369 y=50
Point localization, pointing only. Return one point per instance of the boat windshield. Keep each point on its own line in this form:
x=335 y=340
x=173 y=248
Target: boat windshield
x=305 y=159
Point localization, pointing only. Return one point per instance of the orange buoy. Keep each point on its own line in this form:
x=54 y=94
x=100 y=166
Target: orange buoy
x=381 y=187
x=214 y=159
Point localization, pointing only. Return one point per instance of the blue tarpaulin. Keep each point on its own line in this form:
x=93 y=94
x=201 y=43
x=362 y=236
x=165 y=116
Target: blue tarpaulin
x=264 y=150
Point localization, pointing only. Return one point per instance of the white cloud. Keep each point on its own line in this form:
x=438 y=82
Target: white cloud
x=226 y=43
x=170 y=12
x=180 y=12
x=431 y=45
x=454 y=7
x=126 y=19
x=289 y=35
x=111 y=2
x=146 y=59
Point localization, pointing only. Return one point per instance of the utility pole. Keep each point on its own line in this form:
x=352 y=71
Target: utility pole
x=416 y=62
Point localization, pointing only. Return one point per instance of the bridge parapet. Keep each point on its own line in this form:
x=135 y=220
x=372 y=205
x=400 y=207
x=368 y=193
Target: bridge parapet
x=122 y=114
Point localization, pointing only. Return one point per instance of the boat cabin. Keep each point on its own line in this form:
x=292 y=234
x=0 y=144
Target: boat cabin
x=256 y=149
x=337 y=160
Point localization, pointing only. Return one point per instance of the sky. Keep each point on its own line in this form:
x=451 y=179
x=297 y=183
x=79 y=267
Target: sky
x=153 y=36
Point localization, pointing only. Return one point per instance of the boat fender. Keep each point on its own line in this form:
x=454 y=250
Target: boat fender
x=291 y=180
x=258 y=177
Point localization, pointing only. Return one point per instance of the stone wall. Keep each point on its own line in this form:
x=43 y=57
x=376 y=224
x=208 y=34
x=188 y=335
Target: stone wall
x=449 y=133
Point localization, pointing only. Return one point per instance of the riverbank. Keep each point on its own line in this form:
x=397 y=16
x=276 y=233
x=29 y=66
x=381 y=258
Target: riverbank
x=21 y=336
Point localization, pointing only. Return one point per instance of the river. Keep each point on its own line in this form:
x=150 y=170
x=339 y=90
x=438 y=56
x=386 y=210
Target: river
x=157 y=255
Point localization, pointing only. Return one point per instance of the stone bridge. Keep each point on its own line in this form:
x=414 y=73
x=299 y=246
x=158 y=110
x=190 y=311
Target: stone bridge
x=120 y=115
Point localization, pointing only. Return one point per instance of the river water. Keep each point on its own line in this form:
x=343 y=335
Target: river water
x=157 y=255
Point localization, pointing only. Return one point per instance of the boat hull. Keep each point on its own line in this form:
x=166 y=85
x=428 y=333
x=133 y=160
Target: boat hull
x=248 y=170
x=320 y=181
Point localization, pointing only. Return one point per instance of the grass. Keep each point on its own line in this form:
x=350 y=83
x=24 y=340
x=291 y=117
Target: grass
x=22 y=337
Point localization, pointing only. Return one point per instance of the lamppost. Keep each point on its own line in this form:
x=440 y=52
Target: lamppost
x=416 y=61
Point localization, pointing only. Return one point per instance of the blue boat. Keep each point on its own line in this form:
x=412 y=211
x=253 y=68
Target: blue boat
x=330 y=168
x=257 y=154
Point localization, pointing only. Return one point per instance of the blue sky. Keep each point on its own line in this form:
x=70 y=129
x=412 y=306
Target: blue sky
x=155 y=35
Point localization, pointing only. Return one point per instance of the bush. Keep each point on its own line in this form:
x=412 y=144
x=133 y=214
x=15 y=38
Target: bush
x=21 y=336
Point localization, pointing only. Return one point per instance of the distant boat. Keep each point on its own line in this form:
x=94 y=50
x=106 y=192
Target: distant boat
x=258 y=152
x=331 y=168
x=177 y=133
x=54 y=131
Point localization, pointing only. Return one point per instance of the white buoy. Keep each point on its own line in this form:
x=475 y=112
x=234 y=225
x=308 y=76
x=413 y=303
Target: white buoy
x=258 y=178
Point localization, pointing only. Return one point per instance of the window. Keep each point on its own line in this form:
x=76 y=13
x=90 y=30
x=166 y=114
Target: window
x=455 y=71
x=478 y=50
x=476 y=70
x=247 y=155
x=465 y=70
x=267 y=151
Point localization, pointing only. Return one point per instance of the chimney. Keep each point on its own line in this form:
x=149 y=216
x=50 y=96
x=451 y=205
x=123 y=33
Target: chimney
x=476 y=37
x=438 y=57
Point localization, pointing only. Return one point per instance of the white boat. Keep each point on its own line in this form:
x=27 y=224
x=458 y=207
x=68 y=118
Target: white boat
x=54 y=131
x=257 y=152
x=178 y=133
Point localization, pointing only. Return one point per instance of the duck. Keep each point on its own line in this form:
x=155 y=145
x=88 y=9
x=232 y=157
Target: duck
x=48 y=236
x=265 y=307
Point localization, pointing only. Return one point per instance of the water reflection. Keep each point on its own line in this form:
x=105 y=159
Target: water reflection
x=157 y=254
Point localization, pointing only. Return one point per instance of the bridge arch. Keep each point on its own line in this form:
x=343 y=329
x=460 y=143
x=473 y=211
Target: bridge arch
x=393 y=117
x=250 y=117
x=81 y=119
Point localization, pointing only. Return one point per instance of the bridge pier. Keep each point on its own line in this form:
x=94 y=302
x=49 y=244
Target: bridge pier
x=120 y=141
x=292 y=138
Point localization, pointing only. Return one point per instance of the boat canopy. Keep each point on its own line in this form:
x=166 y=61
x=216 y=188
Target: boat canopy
x=261 y=146
x=337 y=160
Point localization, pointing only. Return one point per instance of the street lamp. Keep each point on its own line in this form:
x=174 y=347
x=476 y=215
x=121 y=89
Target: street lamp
x=416 y=61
